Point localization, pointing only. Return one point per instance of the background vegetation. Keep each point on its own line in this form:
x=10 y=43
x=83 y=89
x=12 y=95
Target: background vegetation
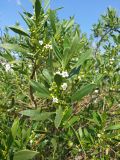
x=59 y=94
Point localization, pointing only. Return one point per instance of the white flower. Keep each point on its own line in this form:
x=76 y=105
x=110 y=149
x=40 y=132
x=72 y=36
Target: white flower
x=64 y=86
x=41 y=42
x=79 y=78
x=96 y=91
x=58 y=72
x=55 y=100
x=112 y=59
x=111 y=62
x=8 y=67
x=48 y=46
x=98 y=135
x=64 y=74
x=30 y=65
x=31 y=141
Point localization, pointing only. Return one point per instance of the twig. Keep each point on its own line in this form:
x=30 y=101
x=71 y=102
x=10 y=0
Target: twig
x=31 y=90
x=99 y=43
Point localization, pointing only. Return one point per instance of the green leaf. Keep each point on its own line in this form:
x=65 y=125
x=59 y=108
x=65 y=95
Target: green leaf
x=67 y=114
x=70 y=51
x=41 y=89
x=74 y=71
x=85 y=90
x=71 y=121
x=66 y=57
x=14 y=47
x=37 y=115
x=7 y=56
x=58 y=79
x=83 y=57
x=14 y=128
x=56 y=51
x=86 y=132
x=27 y=19
x=69 y=24
x=80 y=131
x=47 y=75
x=54 y=143
x=20 y=31
x=46 y=4
x=113 y=127
x=37 y=8
x=58 y=117
x=24 y=155
x=52 y=16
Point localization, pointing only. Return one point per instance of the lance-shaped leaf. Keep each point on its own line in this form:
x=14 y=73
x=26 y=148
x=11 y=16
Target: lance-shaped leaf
x=69 y=24
x=41 y=89
x=83 y=57
x=36 y=114
x=52 y=16
x=37 y=8
x=84 y=91
x=69 y=52
x=46 y=4
x=74 y=71
x=27 y=19
x=19 y=30
x=24 y=155
x=7 y=56
x=14 y=47
x=47 y=75
x=114 y=127
x=14 y=128
x=58 y=117
x=71 y=121
x=56 y=50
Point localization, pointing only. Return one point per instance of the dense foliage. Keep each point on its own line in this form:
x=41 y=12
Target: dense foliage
x=59 y=93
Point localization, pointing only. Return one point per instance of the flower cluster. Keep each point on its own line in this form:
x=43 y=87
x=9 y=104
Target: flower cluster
x=41 y=42
x=64 y=86
x=55 y=100
x=48 y=46
x=112 y=60
x=64 y=74
x=7 y=66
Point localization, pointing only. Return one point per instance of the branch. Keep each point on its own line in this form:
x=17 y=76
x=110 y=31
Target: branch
x=99 y=43
x=31 y=90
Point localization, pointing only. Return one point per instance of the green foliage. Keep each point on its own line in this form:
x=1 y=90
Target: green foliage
x=24 y=154
x=85 y=90
x=59 y=95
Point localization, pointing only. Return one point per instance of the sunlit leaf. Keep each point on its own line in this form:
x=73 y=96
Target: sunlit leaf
x=14 y=128
x=20 y=31
x=84 y=91
x=24 y=155
x=41 y=89
x=58 y=117
x=113 y=127
x=14 y=47
x=36 y=114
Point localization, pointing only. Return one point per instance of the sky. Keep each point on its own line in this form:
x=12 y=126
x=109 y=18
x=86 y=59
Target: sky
x=86 y=12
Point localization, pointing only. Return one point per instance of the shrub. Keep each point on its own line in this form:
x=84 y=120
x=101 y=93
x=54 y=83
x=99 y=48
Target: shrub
x=59 y=94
